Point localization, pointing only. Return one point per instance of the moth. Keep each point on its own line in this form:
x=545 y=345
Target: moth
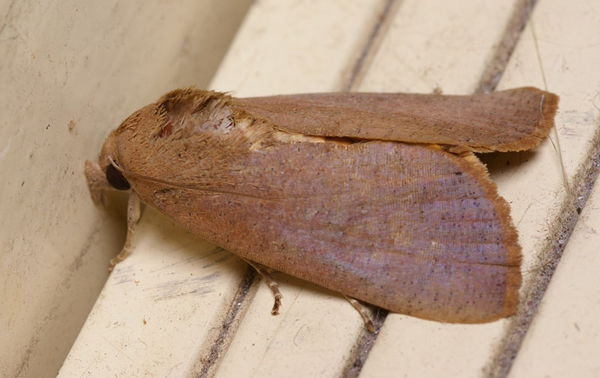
x=377 y=196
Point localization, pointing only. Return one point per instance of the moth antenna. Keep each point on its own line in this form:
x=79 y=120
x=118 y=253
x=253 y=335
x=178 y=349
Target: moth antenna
x=557 y=149
x=115 y=164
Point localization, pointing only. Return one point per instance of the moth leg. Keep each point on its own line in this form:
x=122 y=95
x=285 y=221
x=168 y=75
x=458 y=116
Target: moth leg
x=364 y=313
x=97 y=183
x=273 y=285
x=133 y=216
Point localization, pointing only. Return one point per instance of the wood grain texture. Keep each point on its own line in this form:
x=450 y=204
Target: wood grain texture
x=408 y=227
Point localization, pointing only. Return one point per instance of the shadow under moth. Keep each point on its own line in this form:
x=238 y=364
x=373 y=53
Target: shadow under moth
x=377 y=196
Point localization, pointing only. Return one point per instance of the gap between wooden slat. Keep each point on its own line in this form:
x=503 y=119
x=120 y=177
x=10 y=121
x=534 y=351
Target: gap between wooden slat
x=365 y=343
x=493 y=73
x=371 y=45
x=205 y=364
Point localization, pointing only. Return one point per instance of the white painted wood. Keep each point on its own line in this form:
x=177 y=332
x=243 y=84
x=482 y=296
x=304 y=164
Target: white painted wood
x=70 y=71
x=550 y=54
x=563 y=338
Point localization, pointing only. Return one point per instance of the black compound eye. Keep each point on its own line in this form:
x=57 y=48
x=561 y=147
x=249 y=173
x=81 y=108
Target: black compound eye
x=115 y=178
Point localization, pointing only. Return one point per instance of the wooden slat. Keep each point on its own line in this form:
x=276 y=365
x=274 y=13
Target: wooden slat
x=532 y=182
x=563 y=338
x=159 y=307
x=567 y=65
x=433 y=44
x=70 y=71
x=298 y=46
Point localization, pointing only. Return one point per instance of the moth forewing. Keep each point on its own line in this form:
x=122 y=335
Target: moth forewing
x=511 y=120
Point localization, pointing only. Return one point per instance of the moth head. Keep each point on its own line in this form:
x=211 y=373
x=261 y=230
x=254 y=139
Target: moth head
x=194 y=129
x=125 y=143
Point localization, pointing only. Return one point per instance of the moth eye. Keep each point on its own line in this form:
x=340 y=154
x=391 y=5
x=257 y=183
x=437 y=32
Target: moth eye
x=116 y=178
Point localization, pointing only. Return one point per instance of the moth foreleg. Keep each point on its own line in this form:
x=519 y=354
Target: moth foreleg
x=273 y=285
x=133 y=216
x=97 y=182
x=364 y=313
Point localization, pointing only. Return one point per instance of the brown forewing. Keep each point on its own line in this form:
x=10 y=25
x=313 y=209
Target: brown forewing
x=410 y=228
x=511 y=120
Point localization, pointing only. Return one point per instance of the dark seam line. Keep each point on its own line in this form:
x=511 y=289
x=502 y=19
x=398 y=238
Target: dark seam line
x=368 y=47
x=512 y=33
x=228 y=325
